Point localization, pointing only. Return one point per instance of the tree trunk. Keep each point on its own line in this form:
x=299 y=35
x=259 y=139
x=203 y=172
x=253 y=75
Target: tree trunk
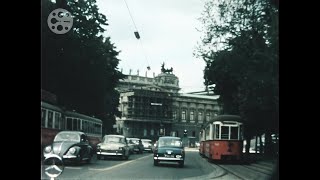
x=256 y=145
x=261 y=145
x=268 y=144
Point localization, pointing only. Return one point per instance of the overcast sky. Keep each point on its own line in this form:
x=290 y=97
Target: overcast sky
x=168 y=34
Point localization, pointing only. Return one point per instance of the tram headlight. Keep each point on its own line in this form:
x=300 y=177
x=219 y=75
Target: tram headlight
x=47 y=149
x=72 y=150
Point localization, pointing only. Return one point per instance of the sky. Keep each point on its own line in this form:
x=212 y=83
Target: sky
x=168 y=34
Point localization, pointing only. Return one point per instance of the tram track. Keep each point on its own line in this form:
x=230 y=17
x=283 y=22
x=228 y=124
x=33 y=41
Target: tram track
x=238 y=172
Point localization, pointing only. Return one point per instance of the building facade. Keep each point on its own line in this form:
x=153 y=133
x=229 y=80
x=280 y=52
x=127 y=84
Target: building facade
x=153 y=107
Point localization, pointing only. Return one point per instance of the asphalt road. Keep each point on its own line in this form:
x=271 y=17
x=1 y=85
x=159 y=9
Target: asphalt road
x=139 y=166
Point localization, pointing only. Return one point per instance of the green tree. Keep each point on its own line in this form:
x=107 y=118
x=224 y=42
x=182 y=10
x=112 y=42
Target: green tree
x=240 y=48
x=81 y=65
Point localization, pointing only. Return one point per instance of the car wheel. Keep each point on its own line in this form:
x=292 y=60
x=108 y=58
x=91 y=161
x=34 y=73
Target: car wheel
x=89 y=160
x=155 y=162
x=181 y=164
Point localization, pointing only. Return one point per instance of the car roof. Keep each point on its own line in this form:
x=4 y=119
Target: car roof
x=169 y=137
x=115 y=135
x=72 y=132
x=134 y=138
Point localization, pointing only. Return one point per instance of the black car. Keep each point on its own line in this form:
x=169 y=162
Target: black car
x=169 y=149
x=71 y=146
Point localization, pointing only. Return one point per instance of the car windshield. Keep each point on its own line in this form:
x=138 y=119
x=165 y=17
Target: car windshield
x=169 y=142
x=67 y=137
x=146 y=141
x=113 y=139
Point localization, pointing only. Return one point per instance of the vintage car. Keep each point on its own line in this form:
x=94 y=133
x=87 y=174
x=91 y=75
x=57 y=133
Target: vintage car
x=169 y=148
x=138 y=147
x=148 y=145
x=131 y=145
x=113 y=145
x=71 y=146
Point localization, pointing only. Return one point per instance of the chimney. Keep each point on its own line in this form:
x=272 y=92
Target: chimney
x=130 y=71
x=138 y=72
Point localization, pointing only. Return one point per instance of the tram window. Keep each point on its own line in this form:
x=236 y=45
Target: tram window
x=74 y=124
x=50 y=119
x=234 y=133
x=56 y=120
x=69 y=124
x=217 y=129
x=62 y=123
x=207 y=133
x=224 y=132
x=78 y=123
x=85 y=126
x=43 y=117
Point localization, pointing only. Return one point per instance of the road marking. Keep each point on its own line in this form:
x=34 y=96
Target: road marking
x=118 y=165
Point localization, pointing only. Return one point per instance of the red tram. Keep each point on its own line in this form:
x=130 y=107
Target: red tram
x=54 y=119
x=222 y=138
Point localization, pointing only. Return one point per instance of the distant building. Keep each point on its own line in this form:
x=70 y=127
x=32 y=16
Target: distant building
x=153 y=107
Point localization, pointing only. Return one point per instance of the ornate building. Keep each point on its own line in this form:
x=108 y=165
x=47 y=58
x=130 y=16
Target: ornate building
x=153 y=107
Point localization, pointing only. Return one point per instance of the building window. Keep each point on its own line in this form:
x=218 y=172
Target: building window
x=145 y=132
x=208 y=116
x=192 y=119
x=194 y=133
x=174 y=115
x=200 y=120
x=191 y=116
x=183 y=115
x=152 y=132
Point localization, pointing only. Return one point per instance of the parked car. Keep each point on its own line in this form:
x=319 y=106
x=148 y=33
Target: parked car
x=169 y=148
x=71 y=146
x=138 y=148
x=113 y=145
x=147 y=145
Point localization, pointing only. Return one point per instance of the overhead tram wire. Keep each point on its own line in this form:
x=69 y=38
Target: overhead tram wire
x=137 y=35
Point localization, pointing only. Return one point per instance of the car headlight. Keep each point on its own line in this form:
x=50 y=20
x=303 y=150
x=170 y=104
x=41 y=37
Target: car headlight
x=72 y=150
x=47 y=149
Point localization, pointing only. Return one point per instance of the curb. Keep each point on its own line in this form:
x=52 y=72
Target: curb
x=216 y=170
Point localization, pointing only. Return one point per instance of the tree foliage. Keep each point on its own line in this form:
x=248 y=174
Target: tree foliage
x=80 y=67
x=240 y=48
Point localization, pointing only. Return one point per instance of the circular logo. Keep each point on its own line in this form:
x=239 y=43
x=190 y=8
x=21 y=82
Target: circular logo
x=60 y=21
x=53 y=166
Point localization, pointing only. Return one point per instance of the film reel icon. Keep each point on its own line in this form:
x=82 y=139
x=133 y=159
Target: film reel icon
x=60 y=21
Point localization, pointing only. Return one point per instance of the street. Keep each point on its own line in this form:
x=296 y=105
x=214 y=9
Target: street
x=140 y=166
